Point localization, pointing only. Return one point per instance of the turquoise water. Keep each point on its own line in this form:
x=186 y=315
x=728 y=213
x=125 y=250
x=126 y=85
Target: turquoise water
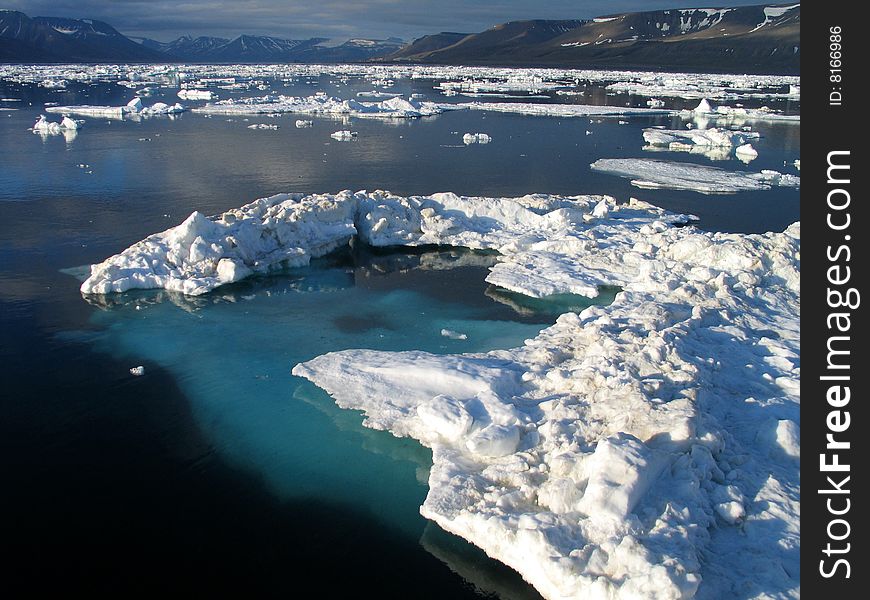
x=231 y=353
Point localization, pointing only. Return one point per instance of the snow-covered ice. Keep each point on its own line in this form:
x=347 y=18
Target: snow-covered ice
x=454 y=335
x=636 y=450
x=746 y=153
x=45 y=127
x=736 y=115
x=555 y=110
x=649 y=173
x=716 y=144
x=196 y=94
x=133 y=109
x=476 y=138
x=344 y=135
x=397 y=107
x=598 y=460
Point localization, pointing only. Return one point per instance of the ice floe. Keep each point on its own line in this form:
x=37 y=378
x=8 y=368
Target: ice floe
x=476 y=138
x=288 y=229
x=716 y=144
x=45 y=127
x=133 y=109
x=344 y=135
x=616 y=454
x=320 y=104
x=649 y=173
x=736 y=115
x=746 y=153
x=187 y=94
x=555 y=110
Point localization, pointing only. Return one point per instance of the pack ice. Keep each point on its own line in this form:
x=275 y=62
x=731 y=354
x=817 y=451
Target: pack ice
x=646 y=449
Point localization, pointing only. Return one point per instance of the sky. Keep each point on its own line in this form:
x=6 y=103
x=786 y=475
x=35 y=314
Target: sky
x=165 y=20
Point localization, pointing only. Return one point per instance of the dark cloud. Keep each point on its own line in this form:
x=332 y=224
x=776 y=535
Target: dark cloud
x=167 y=19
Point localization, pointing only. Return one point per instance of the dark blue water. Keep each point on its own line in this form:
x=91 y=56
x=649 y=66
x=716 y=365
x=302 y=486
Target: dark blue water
x=218 y=470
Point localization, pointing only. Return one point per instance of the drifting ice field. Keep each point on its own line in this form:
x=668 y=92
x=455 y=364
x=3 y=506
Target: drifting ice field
x=602 y=395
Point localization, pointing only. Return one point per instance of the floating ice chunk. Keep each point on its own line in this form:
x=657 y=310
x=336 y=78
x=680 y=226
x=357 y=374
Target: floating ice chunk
x=648 y=173
x=67 y=123
x=703 y=107
x=397 y=107
x=201 y=253
x=67 y=127
x=301 y=123
x=271 y=126
x=377 y=94
x=137 y=371
x=797 y=164
x=161 y=108
x=133 y=109
x=453 y=335
x=553 y=110
x=476 y=138
x=655 y=103
x=746 y=153
x=196 y=95
x=679 y=139
x=344 y=135
x=713 y=143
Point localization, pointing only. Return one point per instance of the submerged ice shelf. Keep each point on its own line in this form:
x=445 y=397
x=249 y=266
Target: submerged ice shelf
x=615 y=453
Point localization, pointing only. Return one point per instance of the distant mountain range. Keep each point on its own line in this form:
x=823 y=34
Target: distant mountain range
x=763 y=38
x=744 y=39
x=266 y=49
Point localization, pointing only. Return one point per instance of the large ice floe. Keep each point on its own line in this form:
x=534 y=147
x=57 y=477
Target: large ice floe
x=649 y=173
x=133 y=109
x=645 y=449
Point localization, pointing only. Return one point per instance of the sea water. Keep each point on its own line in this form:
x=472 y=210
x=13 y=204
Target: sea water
x=217 y=465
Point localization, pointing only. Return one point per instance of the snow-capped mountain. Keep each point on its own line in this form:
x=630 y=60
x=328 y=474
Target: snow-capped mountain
x=746 y=38
x=763 y=38
x=252 y=48
x=55 y=39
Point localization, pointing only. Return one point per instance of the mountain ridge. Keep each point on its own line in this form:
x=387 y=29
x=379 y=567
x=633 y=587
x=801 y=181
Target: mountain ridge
x=752 y=39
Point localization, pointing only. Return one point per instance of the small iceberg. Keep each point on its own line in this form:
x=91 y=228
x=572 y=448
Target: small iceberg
x=196 y=95
x=344 y=135
x=746 y=153
x=476 y=138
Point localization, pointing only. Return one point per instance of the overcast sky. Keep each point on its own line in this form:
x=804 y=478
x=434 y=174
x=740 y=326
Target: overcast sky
x=165 y=20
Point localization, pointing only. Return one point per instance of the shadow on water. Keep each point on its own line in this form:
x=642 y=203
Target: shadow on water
x=117 y=486
x=110 y=488
x=445 y=274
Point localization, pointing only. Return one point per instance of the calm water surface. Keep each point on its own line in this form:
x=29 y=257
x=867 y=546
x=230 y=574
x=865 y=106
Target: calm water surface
x=217 y=469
